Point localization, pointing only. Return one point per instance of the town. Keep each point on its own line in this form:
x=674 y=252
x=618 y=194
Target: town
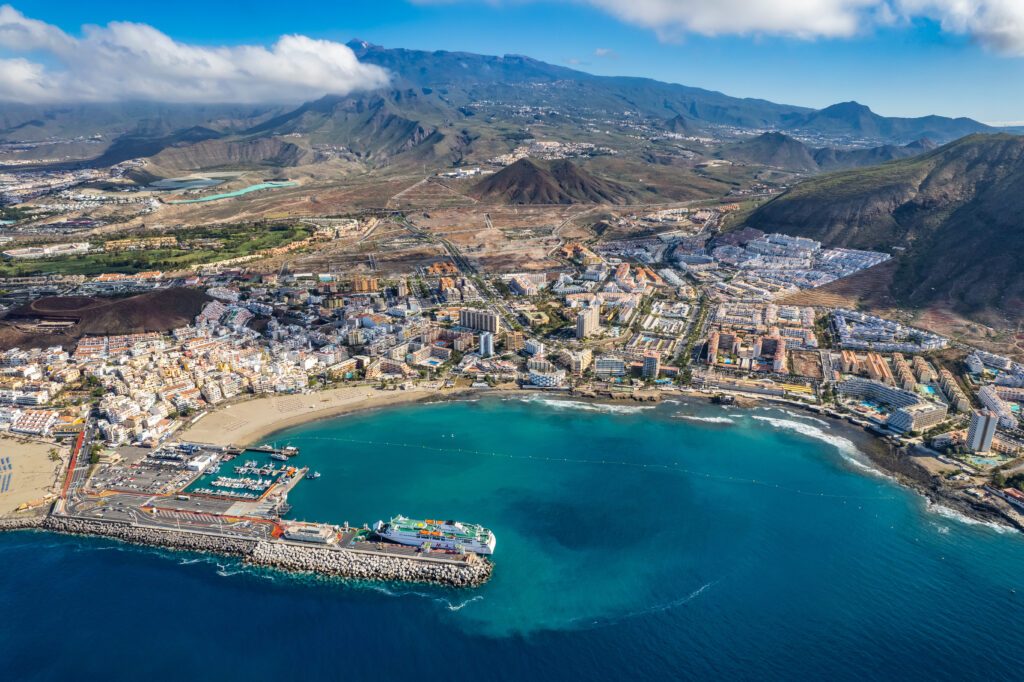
x=690 y=311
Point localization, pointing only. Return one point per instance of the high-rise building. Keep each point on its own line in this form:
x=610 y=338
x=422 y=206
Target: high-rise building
x=578 y=360
x=481 y=320
x=609 y=366
x=588 y=321
x=534 y=347
x=982 y=430
x=486 y=344
x=514 y=341
x=652 y=365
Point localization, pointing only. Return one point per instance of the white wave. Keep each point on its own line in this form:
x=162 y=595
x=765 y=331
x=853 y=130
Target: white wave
x=678 y=602
x=657 y=608
x=385 y=590
x=708 y=420
x=462 y=605
x=809 y=418
x=944 y=511
x=845 y=446
x=587 y=407
x=224 y=572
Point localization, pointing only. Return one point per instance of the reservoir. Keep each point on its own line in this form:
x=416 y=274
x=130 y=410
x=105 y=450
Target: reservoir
x=235 y=193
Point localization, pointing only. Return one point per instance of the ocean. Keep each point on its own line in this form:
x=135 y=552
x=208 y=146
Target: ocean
x=677 y=541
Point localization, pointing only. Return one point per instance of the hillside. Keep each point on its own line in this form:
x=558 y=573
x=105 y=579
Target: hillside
x=381 y=123
x=775 y=150
x=778 y=150
x=855 y=119
x=958 y=211
x=209 y=154
x=829 y=158
x=155 y=311
x=525 y=182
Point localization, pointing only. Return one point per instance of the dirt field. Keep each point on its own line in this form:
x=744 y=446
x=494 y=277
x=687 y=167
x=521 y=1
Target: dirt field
x=807 y=363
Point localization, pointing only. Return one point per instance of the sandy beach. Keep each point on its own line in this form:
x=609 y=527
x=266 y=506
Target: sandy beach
x=27 y=474
x=245 y=422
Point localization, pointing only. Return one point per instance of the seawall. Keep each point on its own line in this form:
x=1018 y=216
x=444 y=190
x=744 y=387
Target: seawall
x=363 y=565
x=330 y=561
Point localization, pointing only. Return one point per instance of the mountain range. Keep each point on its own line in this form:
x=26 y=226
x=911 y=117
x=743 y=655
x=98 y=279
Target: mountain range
x=953 y=216
x=441 y=106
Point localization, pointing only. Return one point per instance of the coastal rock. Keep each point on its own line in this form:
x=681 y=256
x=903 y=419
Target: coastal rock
x=330 y=561
x=21 y=522
x=169 y=539
x=362 y=565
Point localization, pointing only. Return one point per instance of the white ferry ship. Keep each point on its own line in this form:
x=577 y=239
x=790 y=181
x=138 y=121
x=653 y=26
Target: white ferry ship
x=463 y=537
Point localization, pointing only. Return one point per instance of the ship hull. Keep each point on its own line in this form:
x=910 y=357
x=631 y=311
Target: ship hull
x=412 y=540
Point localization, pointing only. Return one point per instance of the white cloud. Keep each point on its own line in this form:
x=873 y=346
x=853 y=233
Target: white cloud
x=794 y=18
x=606 y=52
x=129 y=61
x=996 y=24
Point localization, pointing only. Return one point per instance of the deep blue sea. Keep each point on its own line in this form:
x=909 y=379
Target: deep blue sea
x=682 y=541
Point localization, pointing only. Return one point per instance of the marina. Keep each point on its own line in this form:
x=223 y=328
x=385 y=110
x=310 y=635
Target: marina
x=241 y=494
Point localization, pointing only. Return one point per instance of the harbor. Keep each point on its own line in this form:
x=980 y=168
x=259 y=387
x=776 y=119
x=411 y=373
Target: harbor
x=234 y=502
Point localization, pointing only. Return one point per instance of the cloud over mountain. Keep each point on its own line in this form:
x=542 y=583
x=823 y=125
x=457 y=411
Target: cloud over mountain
x=131 y=61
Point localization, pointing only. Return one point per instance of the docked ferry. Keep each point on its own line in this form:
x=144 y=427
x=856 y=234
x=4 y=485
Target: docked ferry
x=463 y=537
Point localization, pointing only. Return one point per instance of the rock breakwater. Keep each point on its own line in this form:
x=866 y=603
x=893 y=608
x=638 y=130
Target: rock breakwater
x=322 y=560
x=370 y=566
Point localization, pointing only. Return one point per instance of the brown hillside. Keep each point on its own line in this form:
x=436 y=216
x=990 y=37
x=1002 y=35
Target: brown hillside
x=153 y=311
x=526 y=182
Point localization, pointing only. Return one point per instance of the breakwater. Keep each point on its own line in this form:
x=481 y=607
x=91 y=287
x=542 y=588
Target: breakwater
x=155 y=537
x=21 y=523
x=330 y=561
x=371 y=566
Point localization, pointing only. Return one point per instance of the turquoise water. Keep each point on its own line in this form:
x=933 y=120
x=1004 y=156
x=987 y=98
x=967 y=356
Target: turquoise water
x=236 y=193
x=633 y=542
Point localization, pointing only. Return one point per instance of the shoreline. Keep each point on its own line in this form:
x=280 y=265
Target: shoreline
x=881 y=455
x=248 y=421
x=262 y=417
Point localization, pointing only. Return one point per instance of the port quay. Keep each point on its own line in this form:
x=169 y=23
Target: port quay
x=176 y=498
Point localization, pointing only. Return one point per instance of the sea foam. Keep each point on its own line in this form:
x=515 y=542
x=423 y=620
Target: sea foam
x=944 y=511
x=706 y=420
x=846 y=448
x=559 y=404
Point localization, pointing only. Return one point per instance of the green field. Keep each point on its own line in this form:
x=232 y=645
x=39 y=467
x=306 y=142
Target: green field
x=240 y=240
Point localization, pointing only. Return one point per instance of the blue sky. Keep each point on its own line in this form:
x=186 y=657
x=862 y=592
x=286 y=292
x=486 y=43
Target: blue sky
x=927 y=61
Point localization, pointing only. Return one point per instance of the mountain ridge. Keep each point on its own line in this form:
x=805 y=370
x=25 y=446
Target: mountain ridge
x=954 y=216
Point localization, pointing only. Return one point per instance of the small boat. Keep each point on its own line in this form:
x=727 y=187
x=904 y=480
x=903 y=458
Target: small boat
x=265 y=448
x=312 y=474
x=279 y=456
